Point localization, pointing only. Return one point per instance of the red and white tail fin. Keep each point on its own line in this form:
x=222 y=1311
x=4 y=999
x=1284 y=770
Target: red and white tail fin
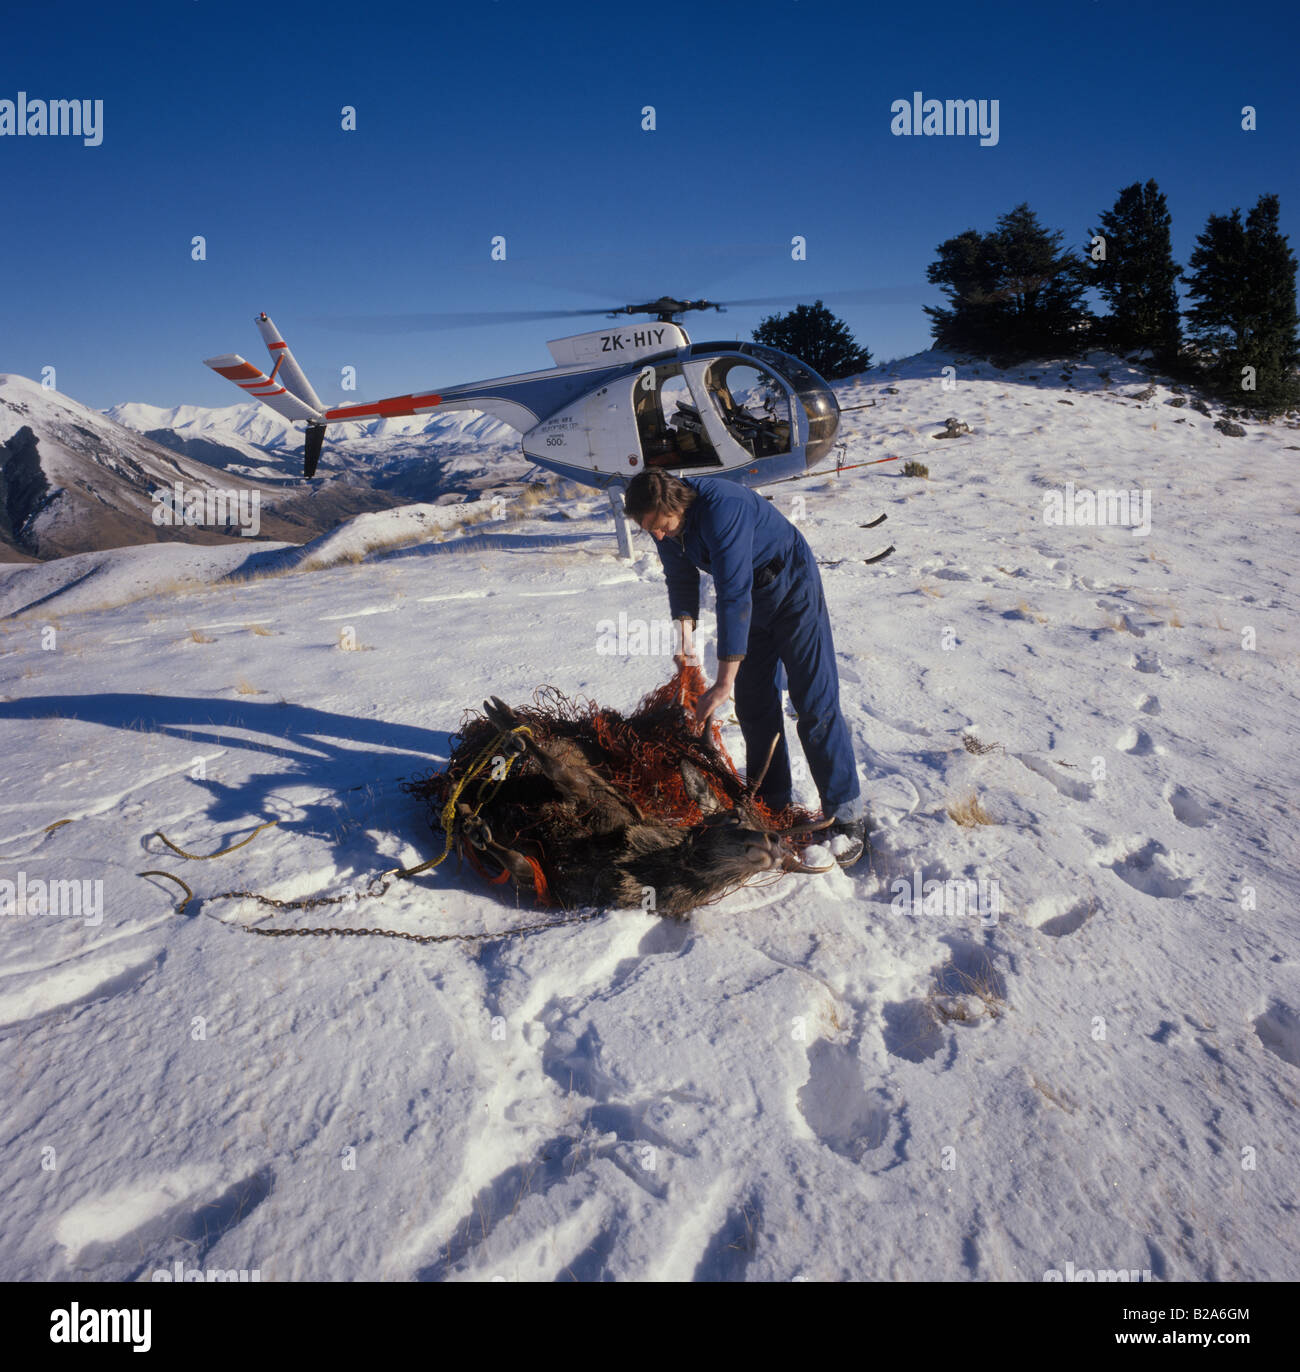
x=253 y=381
x=286 y=369
x=286 y=390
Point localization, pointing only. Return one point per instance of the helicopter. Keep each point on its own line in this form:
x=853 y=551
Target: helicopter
x=617 y=400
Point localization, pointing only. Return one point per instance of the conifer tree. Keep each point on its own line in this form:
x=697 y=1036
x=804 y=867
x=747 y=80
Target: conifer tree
x=1012 y=293
x=1137 y=274
x=816 y=337
x=1243 y=278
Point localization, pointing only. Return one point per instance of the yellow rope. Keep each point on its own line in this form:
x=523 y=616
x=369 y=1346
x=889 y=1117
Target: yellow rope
x=189 y=895
x=449 y=810
x=49 y=828
x=221 y=852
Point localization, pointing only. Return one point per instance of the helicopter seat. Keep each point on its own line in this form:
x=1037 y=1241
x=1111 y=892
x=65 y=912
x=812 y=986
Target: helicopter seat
x=668 y=457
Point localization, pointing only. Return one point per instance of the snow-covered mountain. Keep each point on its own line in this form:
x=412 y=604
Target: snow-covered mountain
x=859 y=1075
x=73 y=480
x=422 y=456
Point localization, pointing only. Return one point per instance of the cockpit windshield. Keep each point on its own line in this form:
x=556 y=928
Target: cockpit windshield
x=814 y=394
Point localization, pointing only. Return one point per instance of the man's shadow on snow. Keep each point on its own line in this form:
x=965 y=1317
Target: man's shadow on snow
x=332 y=755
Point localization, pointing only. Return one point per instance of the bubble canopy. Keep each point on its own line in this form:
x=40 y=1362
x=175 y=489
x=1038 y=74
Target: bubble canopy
x=816 y=397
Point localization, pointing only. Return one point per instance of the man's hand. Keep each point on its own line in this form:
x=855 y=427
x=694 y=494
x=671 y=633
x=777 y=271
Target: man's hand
x=710 y=701
x=685 y=656
x=720 y=690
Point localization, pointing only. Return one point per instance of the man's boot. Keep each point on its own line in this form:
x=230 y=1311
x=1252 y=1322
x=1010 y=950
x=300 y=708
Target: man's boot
x=847 y=839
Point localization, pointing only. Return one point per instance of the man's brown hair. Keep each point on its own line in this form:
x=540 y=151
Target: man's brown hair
x=658 y=491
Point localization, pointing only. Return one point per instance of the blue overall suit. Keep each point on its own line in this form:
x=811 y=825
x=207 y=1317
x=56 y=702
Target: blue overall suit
x=771 y=612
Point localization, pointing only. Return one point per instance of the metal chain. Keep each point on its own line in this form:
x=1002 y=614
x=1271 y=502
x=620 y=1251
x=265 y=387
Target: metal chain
x=377 y=887
x=519 y=931
x=334 y=932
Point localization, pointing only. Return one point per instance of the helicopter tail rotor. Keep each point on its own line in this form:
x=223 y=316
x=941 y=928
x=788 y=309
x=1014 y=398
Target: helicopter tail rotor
x=286 y=390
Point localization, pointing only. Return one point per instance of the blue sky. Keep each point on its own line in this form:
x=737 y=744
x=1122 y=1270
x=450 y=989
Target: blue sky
x=524 y=120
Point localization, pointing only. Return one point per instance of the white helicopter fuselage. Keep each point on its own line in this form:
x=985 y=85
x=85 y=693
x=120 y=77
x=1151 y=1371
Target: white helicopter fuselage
x=598 y=416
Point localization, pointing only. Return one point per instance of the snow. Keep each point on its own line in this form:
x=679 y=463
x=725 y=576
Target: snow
x=812 y=1079
x=466 y=442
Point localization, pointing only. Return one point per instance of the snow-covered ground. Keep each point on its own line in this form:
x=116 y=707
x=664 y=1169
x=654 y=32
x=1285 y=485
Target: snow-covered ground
x=813 y=1079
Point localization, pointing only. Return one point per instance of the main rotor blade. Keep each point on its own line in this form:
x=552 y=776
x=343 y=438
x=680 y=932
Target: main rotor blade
x=421 y=323
x=880 y=295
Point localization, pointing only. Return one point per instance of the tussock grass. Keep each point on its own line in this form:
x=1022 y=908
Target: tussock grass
x=532 y=496
x=260 y=630
x=918 y=469
x=246 y=688
x=1056 y=1098
x=471 y=520
x=969 y=812
x=1024 y=609
x=177 y=586
x=965 y=997
x=197 y=636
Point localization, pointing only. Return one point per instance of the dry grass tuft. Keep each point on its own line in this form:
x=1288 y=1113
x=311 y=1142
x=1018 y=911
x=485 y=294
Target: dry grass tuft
x=969 y=812
x=245 y=688
x=1024 y=609
x=260 y=630
x=1057 y=1098
x=968 y=998
x=197 y=637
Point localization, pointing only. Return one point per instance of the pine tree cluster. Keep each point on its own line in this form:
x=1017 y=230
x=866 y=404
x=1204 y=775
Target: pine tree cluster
x=1013 y=294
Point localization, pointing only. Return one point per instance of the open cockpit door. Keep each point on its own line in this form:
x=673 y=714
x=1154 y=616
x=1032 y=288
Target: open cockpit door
x=747 y=410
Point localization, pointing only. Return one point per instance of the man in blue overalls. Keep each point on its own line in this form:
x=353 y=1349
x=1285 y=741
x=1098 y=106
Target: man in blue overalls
x=771 y=612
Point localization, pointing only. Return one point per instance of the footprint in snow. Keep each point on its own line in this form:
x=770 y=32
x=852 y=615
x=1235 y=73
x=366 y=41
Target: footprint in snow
x=1187 y=809
x=1135 y=741
x=911 y=1031
x=850 y=1117
x=1278 y=1029
x=1058 y=916
x=1148 y=869
x=1067 y=785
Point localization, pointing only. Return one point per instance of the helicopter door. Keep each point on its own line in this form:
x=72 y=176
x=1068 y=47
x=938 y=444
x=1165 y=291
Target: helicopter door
x=669 y=426
x=747 y=411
